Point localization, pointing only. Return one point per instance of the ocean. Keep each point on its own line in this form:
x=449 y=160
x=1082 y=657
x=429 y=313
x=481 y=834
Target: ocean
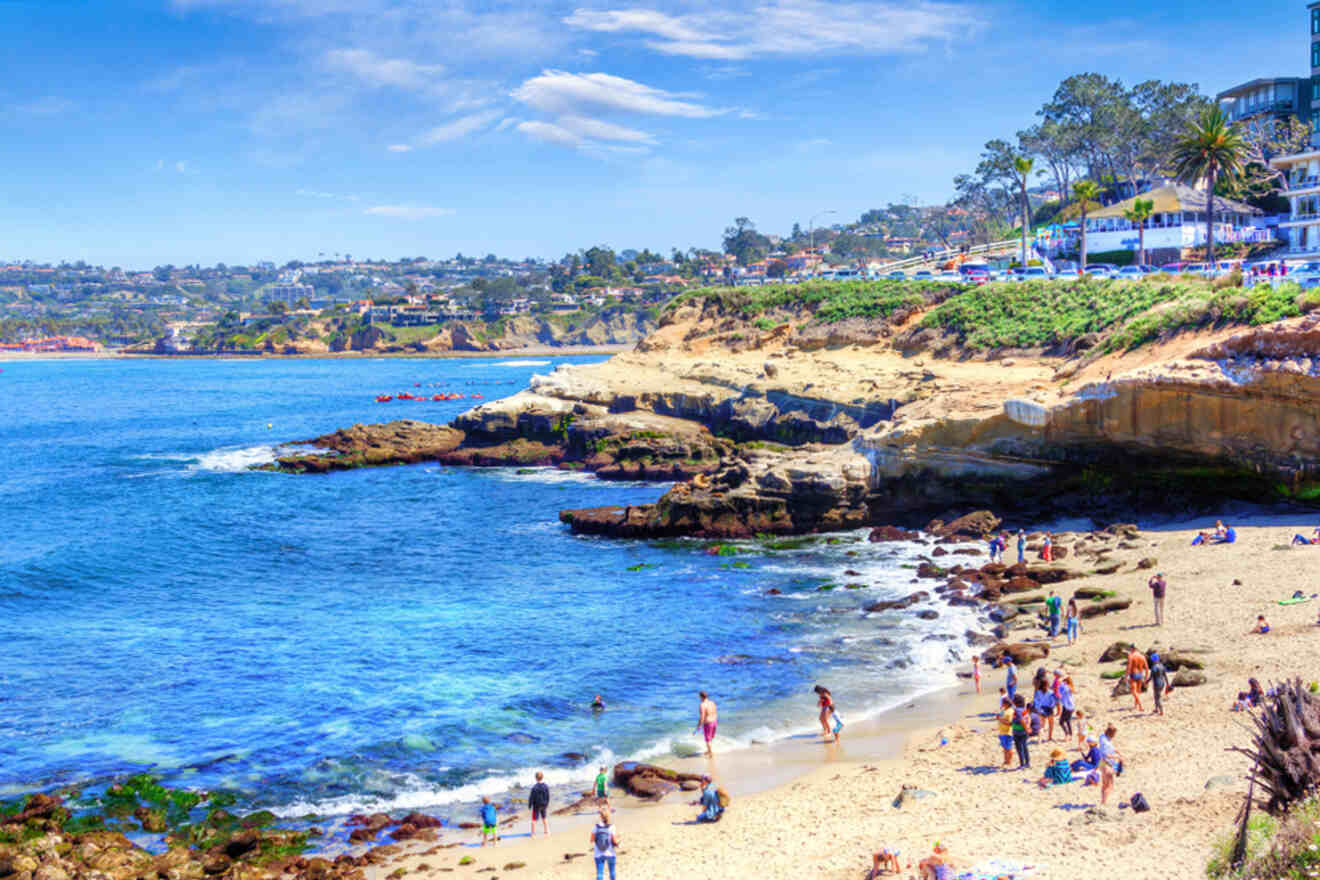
x=385 y=639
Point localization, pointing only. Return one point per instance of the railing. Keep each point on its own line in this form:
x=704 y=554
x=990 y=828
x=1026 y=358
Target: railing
x=953 y=253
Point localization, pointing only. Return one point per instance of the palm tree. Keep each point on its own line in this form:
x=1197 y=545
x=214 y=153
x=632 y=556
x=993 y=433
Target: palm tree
x=1213 y=150
x=1021 y=168
x=1139 y=212
x=1085 y=192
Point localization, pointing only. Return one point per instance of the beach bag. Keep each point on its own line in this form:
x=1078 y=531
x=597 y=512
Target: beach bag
x=604 y=839
x=1138 y=801
x=724 y=798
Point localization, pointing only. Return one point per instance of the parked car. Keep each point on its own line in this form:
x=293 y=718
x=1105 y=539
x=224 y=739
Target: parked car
x=1034 y=273
x=1130 y=273
x=923 y=275
x=1066 y=275
x=1102 y=270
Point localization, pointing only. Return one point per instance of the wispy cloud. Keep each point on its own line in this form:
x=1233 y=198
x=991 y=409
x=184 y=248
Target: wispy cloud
x=399 y=148
x=556 y=91
x=788 y=27
x=408 y=211
x=377 y=70
x=459 y=128
x=329 y=196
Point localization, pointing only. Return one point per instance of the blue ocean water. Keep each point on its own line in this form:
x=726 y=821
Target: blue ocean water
x=390 y=638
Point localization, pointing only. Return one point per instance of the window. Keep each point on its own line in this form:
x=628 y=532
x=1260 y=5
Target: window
x=1315 y=55
x=1315 y=88
x=1315 y=21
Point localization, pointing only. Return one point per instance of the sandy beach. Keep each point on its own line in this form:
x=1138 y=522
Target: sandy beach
x=826 y=821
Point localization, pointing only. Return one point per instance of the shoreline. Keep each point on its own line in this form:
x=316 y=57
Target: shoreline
x=534 y=351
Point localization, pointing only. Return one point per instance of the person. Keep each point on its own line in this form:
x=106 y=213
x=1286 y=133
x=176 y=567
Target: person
x=601 y=782
x=598 y=705
x=1072 y=623
x=538 y=801
x=603 y=841
x=1022 y=546
x=1111 y=762
x=1054 y=605
x=1047 y=549
x=995 y=548
x=1261 y=628
x=1201 y=539
x=1021 y=728
x=1301 y=539
x=1090 y=759
x=826 y=703
x=1255 y=693
x=1063 y=691
x=1157 y=587
x=707 y=719
x=1136 y=675
x=1159 y=682
x=1219 y=530
x=976 y=672
x=1059 y=772
x=1010 y=678
x=937 y=865
x=1225 y=534
x=1082 y=727
x=710 y=800
x=1005 y=720
x=489 y=822
x=1043 y=705
x=885 y=862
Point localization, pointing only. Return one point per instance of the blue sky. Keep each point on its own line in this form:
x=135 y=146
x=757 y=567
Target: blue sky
x=141 y=132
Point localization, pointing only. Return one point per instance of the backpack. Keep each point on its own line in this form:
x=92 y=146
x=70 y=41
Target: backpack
x=604 y=838
x=1138 y=801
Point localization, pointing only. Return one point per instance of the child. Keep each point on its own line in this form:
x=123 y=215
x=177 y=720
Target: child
x=601 y=781
x=1261 y=628
x=1005 y=721
x=1083 y=729
x=976 y=672
x=884 y=862
x=489 y=828
x=1059 y=772
x=1047 y=549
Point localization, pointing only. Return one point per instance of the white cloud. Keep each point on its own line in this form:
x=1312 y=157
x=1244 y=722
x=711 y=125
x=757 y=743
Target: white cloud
x=181 y=166
x=459 y=128
x=556 y=91
x=548 y=132
x=408 y=211
x=789 y=27
x=399 y=148
x=380 y=71
x=599 y=130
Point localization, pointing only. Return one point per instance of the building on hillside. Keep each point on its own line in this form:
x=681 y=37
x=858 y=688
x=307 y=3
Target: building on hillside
x=1301 y=229
x=289 y=293
x=1268 y=98
x=1177 y=224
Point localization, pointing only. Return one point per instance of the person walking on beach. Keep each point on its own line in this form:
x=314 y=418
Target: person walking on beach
x=539 y=802
x=826 y=703
x=489 y=822
x=1022 y=546
x=601 y=782
x=603 y=842
x=1054 y=605
x=976 y=672
x=1137 y=669
x=1010 y=679
x=1157 y=588
x=996 y=548
x=1071 y=623
x=707 y=720
x=1159 y=681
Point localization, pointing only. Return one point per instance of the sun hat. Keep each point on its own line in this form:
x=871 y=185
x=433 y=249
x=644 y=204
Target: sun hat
x=1057 y=753
x=1092 y=739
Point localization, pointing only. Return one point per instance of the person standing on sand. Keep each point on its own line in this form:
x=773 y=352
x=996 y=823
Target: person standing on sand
x=976 y=672
x=489 y=822
x=1054 y=605
x=1047 y=549
x=826 y=703
x=1110 y=762
x=1010 y=679
x=1063 y=690
x=601 y=782
x=1044 y=704
x=1072 y=622
x=1137 y=669
x=603 y=842
x=1159 y=681
x=1005 y=721
x=1157 y=588
x=1021 y=730
x=539 y=802
x=1022 y=546
x=707 y=720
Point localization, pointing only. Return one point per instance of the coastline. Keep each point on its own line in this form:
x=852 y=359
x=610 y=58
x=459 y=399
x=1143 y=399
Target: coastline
x=534 y=351
x=827 y=820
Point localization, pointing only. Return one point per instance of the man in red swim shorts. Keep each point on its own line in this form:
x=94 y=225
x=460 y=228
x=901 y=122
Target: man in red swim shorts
x=708 y=720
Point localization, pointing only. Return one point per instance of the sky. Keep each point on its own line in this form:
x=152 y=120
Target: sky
x=143 y=132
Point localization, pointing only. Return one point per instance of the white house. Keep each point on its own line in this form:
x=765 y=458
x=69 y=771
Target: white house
x=1178 y=222
x=1302 y=190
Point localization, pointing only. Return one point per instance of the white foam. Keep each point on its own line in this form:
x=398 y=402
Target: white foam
x=518 y=363
x=234 y=459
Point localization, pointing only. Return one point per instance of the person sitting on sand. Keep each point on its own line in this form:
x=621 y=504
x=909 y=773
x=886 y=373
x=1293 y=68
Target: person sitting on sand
x=885 y=862
x=1059 y=772
x=1090 y=758
x=937 y=865
x=1261 y=628
x=1201 y=539
x=1314 y=539
x=1224 y=534
x=710 y=800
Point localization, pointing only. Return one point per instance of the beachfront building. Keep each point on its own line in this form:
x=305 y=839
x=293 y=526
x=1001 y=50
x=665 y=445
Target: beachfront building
x=1301 y=187
x=1177 y=224
x=1268 y=99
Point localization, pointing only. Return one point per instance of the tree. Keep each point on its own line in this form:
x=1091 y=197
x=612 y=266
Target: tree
x=1085 y=192
x=1022 y=166
x=1267 y=138
x=601 y=261
x=776 y=269
x=744 y=242
x=1139 y=213
x=1212 y=150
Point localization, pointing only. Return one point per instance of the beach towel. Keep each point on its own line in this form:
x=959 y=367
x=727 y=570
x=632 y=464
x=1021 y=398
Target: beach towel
x=1295 y=601
x=995 y=869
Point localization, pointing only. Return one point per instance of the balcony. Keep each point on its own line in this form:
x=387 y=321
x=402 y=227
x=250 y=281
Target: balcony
x=1302 y=183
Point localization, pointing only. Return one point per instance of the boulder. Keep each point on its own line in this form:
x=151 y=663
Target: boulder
x=1116 y=651
x=1023 y=653
x=979 y=523
x=939 y=551
x=1185 y=678
x=909 y=795
x=1105 y=606
x=1175 y=661
x=907 y=601
x=1051 y=575
x=1148 y=562
x=651 y=788
x=1092 y=593
x=929 y=570
x=1019 y=585
x=928 y=614
x=882 y=534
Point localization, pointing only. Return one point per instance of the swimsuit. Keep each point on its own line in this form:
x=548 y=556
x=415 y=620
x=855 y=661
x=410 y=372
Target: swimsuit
x=709 y=730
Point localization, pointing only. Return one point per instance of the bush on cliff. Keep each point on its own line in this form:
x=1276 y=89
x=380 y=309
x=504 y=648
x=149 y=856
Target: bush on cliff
x=828 y=301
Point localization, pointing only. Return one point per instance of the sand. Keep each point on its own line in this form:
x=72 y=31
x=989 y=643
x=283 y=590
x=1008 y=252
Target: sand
x=826 y=822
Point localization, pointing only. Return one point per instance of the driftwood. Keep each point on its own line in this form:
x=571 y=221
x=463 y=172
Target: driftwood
x=1285 y=749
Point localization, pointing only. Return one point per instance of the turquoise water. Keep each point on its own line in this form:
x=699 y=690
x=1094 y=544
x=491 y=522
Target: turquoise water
x=391 y=638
